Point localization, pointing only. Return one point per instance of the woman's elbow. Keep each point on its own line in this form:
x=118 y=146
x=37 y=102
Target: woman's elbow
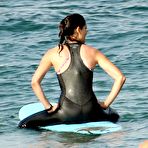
x=34 y=83
x=122 y=78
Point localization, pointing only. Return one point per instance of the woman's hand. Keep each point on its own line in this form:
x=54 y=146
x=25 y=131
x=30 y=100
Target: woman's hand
x=53 y=108
x=102 y=104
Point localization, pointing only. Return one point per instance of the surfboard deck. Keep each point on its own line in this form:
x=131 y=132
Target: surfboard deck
x=100 y=127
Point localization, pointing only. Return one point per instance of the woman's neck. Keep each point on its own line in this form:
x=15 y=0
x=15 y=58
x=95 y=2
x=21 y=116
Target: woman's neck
x=73 y=41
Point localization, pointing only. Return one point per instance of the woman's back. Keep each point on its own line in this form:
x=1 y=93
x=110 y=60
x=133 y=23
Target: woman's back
x=76 y=80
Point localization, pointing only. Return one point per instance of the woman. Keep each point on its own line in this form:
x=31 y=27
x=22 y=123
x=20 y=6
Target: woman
x=74 y=62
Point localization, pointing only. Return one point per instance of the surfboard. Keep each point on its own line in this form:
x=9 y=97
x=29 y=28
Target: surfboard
x=100 y=127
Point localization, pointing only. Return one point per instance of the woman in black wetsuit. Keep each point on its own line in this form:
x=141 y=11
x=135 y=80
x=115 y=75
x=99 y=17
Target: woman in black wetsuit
x=74 y=62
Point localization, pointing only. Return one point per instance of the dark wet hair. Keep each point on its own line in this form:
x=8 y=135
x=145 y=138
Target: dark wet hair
x=67 y=27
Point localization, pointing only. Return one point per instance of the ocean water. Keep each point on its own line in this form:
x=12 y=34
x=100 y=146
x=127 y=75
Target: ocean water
x=119 y=28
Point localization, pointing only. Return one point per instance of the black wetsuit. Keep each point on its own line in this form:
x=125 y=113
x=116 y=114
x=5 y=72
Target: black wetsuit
x=77 y=102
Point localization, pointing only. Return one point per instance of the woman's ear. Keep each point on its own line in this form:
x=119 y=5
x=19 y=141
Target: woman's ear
x=76 y=33
x=78 y=29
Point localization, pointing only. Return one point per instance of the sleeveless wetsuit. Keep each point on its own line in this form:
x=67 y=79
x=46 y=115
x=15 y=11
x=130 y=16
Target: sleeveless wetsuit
x=77 y=103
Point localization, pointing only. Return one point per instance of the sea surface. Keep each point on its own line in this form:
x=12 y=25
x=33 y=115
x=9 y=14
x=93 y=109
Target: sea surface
x=118 y=28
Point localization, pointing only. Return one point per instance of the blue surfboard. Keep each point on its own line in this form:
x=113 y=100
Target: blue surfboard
x=101 y=127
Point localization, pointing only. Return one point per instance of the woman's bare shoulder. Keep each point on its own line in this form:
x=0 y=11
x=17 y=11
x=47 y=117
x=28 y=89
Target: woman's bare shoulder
x=91 y=50
x=94 y=53
x=88 y=47
x=51 y=52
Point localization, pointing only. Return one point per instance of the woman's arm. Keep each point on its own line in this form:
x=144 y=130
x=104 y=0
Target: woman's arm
x=115 y=73
x=39 y=74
